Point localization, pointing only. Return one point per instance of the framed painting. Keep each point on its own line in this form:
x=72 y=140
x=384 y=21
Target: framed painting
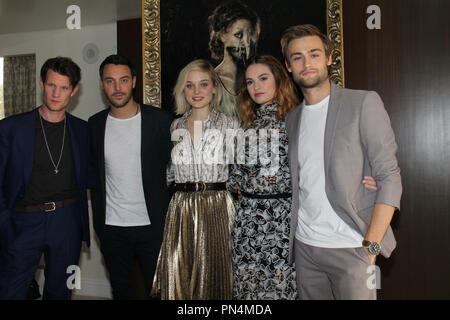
x=176 y=32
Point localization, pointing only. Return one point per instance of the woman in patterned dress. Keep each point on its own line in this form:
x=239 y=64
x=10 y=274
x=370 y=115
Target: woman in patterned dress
x=195 y=257
x=260 y=234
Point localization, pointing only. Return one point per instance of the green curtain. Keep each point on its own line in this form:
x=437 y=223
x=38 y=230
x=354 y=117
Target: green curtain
x=19 y=84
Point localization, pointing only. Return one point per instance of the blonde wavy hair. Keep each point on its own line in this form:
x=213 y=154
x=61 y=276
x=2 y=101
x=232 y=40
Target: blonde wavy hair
x=285 y=92
x=222 y=100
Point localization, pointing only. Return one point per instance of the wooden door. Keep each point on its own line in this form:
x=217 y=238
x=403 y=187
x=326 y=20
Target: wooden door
x=407 y=62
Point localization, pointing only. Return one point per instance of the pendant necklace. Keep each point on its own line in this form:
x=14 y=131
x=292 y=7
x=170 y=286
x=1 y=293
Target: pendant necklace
x=48 y=148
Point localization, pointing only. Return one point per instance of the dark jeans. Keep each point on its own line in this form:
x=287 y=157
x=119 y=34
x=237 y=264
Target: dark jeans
x=120 y=247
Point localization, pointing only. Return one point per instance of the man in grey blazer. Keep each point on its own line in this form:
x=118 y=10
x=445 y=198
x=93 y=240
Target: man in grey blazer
x=336 y=137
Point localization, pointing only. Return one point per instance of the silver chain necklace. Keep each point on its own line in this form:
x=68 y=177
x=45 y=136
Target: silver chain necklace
x=48 y=149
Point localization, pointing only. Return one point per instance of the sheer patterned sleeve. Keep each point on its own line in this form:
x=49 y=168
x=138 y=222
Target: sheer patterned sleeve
x=170 y=165
x=235 y=175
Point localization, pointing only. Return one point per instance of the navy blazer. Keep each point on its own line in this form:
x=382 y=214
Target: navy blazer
x=17 y=134
x=155 y=154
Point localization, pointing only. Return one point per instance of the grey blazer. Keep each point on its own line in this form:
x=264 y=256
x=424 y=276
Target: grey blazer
x=359 y=141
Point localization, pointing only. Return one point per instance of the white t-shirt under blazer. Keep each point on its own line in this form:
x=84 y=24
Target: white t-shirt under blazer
x=318 y=224
x=125 y=201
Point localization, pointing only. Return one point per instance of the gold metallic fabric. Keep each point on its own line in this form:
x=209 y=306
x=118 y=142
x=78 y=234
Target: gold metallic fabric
x=195 y=258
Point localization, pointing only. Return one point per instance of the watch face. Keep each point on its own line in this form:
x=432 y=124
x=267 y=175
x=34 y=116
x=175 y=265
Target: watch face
x=374 y=248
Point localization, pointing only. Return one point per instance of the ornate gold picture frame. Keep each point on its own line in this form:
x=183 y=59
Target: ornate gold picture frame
x=336 y=35
x=151 y=35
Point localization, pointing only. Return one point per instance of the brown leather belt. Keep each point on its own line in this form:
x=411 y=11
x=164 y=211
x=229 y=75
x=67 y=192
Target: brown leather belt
x=47 y=207
x=199 y=186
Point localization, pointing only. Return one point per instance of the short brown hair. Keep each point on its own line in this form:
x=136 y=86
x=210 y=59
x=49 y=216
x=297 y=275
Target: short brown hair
x=300 y=31
x=65 y=67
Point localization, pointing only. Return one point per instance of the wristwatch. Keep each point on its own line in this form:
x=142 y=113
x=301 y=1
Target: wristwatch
x=373 y=247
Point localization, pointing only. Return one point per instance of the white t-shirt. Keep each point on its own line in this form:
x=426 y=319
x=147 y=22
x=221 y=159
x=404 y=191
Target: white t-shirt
x=125 y=201
x=318 y=224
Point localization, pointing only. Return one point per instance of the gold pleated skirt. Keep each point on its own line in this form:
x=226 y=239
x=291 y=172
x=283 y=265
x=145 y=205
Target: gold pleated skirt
x=195 y=258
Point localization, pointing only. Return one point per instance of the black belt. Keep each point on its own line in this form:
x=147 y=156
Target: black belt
x=199 y=186
x=267 y=196
x=48 y=206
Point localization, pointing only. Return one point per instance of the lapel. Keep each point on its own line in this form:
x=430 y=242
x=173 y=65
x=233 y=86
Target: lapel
x=294 y=140
x=28 y=133
x=76 y=154
x=334 y=107
x=148 y=128
x=100 y=143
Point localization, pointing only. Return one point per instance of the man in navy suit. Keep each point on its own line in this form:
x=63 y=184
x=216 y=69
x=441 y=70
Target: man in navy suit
x=44 y=174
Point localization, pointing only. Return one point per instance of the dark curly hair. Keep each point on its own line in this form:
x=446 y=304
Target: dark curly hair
x=222 y=17
x=64 y=66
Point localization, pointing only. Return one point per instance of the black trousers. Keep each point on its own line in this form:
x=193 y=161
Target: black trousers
x=121 y=246
x=57 y=234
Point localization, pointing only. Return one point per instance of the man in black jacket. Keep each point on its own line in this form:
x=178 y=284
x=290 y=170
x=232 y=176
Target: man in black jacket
x=130 y=145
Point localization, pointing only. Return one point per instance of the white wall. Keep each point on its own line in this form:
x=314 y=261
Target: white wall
x=94 y=279
x=89 y=100
x=69 y=43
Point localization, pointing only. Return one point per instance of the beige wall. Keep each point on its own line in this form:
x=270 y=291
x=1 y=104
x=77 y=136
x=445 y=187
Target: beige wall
x=70 y=43
x=94 y=279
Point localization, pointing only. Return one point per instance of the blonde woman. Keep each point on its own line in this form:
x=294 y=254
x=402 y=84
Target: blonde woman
x=195 y=257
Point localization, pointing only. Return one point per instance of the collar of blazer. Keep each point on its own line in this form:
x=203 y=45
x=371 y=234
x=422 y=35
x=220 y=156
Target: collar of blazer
x=334 y=107
x=330 y=127
x=149 y=127
x=28 y=132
